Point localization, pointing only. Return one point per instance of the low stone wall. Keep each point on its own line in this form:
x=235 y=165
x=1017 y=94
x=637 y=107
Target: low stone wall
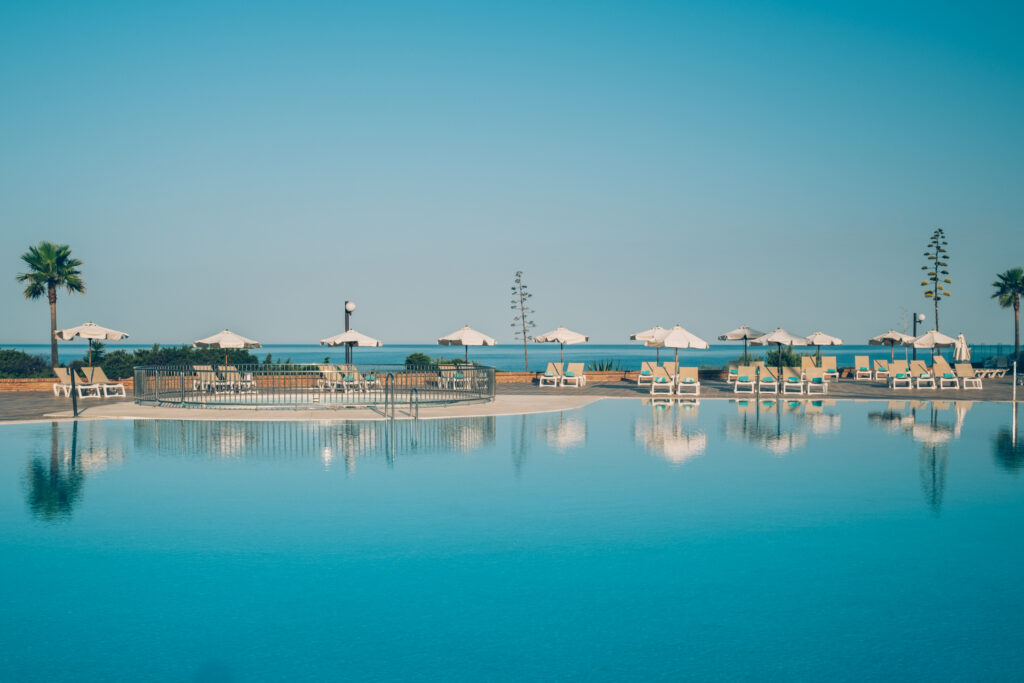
x=8 y=386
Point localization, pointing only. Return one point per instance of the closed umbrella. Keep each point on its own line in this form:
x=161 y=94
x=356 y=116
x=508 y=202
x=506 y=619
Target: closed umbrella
x=679 y=338
x=961 y=351
x=890 y=339
x=351 y=338
x=648 y=336
x=467 y=337
x=820 y=339
x=561 y=336
x=780 y=338
x=90 y=331
x=226 y=339
x=744 y=332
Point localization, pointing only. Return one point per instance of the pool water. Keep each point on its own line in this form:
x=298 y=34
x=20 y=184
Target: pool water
x=716 y=540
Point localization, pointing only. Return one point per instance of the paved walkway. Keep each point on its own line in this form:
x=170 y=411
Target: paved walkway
x=511 y=399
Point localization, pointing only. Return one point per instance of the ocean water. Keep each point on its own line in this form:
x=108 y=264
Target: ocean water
x=506 y=356
x=719 y=540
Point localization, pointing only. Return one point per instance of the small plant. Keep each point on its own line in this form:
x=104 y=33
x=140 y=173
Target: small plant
x=418 y=358
x=790 y=359
x=605 y=365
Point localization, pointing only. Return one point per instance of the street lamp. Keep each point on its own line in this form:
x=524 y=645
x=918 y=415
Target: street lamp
x=351 y=306
x=918 y=318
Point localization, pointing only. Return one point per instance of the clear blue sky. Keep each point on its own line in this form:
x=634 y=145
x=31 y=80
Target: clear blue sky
x=253 y=165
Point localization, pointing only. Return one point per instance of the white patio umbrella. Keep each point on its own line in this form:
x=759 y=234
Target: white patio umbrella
x=820 y=339
x=890 y=339
x=744 y=332
x=648 y=336
x=561 y=336
x=679 y=338
x=467 y=337
x=90 y=331
x=226 y=339
x=931 y=340
x=780 y=338
x=351 y=338
x=961 y=351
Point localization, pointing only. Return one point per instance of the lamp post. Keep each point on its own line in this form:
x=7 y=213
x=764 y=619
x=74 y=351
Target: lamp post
x=349 y=307
x=918 y=318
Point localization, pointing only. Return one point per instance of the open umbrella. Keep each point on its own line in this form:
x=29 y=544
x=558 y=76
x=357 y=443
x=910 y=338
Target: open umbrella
x=89 y=331
x=351 y=338
x=562 y=336
x=961 y=351
x=820 y=339
x=780 y=338
x=931 y=340
x=226 y=339
x=466 y=336
x=679 y=338
x=890 y=339
x=648 y=336
x=744 y=332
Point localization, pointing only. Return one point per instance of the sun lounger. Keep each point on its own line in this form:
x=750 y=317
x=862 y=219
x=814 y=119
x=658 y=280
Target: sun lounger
x=881 y=369
x=806 y=364
x=791 y=381
x=745 y=382
x=646 y=372
x=815 y=381
x=861 y=368
x=662 y=383
x=922 y=375
x=236 y=381
x=330 y=378
x=552 y=375
x=828 y=363
x=206 y=379
x=688 y=381
x=84 y=388
x=965 y=371
x=574 y=374
x=767 y=382
x=671 y=368
x=731 y=373
x=899 y=375
x=947 y=378
x=95 y=375
x=449 y=377
x=63 y=383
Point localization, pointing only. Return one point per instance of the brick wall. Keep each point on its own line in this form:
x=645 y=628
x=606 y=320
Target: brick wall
x=42 y=384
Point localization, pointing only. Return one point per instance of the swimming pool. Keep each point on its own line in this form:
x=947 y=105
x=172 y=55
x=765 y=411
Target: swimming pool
x=713 y=540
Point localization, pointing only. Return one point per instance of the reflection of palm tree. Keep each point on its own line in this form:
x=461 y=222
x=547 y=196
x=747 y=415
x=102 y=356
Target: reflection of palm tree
x=52 y=493
x=1009 y=453
x=934 y=459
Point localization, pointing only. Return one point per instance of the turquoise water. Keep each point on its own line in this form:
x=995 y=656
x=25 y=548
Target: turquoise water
x=504 y=356
x=626 y=540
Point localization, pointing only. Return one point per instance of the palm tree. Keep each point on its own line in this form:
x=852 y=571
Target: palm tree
x=50 y=268
x=1009 y=288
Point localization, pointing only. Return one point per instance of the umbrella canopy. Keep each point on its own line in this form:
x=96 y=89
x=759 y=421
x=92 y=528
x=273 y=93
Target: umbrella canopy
x=466 y=336
x=89 y=331
x=931 y=340
x=744 y=332
x=678 y=338
x=961 y=351
x=890 y=339
x=648 y=336
x=226 y=339
x=351 y=337
x=561 y=336
x=780 y=338
x=820 y=339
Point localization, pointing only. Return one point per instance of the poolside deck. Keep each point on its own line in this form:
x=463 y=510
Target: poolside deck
x=511 y=399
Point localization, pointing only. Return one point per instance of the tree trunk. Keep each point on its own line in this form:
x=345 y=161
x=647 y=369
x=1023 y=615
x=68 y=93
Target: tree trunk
x=52 y=296
x=1016 y=326
x=936 y=308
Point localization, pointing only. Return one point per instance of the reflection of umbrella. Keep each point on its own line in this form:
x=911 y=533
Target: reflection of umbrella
x=931 y=340
x=562 y=336
x=566 y=434
x=649 y=337
x=352 y=338
x=780 y=338
x=890 y=339
x=743 y=332
x=226 y=339
x=466 y=336
x=678 y=338
x=820 y=339
x=961 y=351
x=89 y=331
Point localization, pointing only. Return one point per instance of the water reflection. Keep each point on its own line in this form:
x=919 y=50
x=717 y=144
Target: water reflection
x=1006 y=447
x=778 y=426
x=54 y=484
x=331 y=442
x=562 y=432
x=671 y=431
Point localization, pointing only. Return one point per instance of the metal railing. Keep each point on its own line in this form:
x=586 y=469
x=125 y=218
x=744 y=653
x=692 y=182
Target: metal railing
x=311 y=386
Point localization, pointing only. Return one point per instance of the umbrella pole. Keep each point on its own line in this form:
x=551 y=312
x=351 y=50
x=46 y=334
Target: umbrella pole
x=677 y=360
x=467 y=353
x=744 y=350
x=561 y=352
x=225 y=356
x=657 y=355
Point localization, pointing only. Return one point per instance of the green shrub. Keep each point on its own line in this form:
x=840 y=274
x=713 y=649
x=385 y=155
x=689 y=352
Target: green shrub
x=605 y=365
x=18 y=365
x=121 y=364
x=418 y=358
